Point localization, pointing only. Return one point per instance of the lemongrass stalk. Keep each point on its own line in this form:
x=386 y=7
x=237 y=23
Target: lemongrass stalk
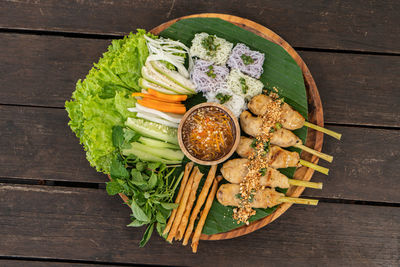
x=305 y=183
x=314 y=167
x=296 y=200
x=321 y=155
x=321 y=129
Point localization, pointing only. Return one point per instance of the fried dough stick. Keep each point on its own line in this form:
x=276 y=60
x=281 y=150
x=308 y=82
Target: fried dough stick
x=235 y=170
x=282 y=137
x=189 y=205
x=188 y=168
x=227 y=195
x=291 y=119
x=278 y=158
x=200 y=202
x=204 y=213
x=182 y=206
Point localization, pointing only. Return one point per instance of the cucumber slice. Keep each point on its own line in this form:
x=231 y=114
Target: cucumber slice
x=145 y=84
x=156 y=143
x=150 y=74
x=164 y=153
x=173 y=76
x=143 y=155
x=154 y=130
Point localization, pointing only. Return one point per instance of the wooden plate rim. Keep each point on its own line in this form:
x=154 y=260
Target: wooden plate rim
x=315 y=115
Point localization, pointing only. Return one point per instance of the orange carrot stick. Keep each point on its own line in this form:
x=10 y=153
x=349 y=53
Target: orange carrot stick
x=166 y=97
x=162 y=106
x=154 y=97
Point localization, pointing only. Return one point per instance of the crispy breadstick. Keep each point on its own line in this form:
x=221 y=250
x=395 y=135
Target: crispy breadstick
x=200 y=201
x=189 y=205
x=204 y=213
x=188 y=168
x=182 y=206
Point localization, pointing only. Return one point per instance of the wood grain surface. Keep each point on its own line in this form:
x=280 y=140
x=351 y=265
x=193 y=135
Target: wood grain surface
x=36 y=73
x=60 y=221
x=355 y=25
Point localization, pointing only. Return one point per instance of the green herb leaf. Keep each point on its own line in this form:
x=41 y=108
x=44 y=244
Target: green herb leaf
x=223 y=98
x=160 y=229
x=243 y=84
x=153 y=165
x=136 y=223
x=254 y=143
x=147 y=235
x=117 y=170
x=209 y=44
x=113 y=188
x=247 y=60
x=152 y=181
x=278 y=125
x=160 y=217
x=140 y=166
x=117 y=136
x=130 y=135
x=169 y=206
x=137 y=177
x=263 y=171
x=138 y=213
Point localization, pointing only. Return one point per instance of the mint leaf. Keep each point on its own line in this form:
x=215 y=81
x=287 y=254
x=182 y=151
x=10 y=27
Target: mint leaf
x=138 y=213
x=117 y=170
x=147 y=235
x=136 y=223
x=169 y=206
x=113 y=188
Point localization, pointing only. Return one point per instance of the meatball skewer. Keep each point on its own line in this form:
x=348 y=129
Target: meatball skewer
x=291 y=119
x=282 y=137
x=277 y=157
x=235 y=170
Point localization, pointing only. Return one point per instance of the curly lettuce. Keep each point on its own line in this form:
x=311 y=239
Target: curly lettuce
x=100 y=101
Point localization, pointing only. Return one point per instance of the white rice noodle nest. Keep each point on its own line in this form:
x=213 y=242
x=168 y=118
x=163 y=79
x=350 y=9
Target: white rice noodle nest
x=221 y=54
x=236 y=104
x=254 y=69
x=254 y=86
x=205 y=83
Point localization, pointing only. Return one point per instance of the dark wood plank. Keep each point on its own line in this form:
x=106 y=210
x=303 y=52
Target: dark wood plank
x=37 y=144
x=41 y=263
x=364 y=165
x=42 y=70
x=354 y=25
x=86 y=224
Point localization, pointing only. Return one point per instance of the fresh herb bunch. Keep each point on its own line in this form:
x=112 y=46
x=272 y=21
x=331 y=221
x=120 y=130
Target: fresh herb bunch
x=223 y=98
x=149 y=186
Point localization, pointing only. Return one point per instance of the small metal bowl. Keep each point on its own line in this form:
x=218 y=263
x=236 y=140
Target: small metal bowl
x=235 y=129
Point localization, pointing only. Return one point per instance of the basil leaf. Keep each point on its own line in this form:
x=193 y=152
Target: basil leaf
x=152 y=181
x=169 y=206
x=137 y=177
x=136 y=223
x=147 y=235
x=160 y=217
x=117 y=170
x=117 y=136
x=138 y=213
x=113 y=188
x=160 y=229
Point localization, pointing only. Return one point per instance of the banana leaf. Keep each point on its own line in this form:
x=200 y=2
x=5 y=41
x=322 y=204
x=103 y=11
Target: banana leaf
x=280 y=71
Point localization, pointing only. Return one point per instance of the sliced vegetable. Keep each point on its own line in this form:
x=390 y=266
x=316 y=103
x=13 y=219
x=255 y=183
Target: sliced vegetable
x=145 y=84
x=166 y=97
x=154 y=97
x=164 y=153
x=156 y=143
x=150 y=74
x=154 y=130
x=143 y=155
x=165 y=115
x=153 y=118
x=162 y=106
x=174 y=76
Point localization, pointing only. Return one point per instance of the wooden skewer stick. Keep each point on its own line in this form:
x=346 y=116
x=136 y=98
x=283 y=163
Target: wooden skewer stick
x=321 y=155
x=323 y=130
x=304 y=201
x=305 y=183
x=314 y=167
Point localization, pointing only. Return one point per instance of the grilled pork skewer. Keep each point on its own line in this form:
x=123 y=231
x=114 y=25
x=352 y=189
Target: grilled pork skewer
x=278 y=158
x=290 y=119
x=235 y=170
x=228 y=195
x=252 y=125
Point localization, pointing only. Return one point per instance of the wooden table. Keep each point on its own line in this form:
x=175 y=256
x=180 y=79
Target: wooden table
x=54 y=210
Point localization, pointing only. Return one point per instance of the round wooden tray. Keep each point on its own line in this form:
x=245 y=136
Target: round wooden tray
x=315 y=115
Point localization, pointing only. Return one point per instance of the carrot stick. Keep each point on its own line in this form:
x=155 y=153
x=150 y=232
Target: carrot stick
x=204 y=213
x=154 y=98
x=166 y=97
x=162 y=106
x=188 y=168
